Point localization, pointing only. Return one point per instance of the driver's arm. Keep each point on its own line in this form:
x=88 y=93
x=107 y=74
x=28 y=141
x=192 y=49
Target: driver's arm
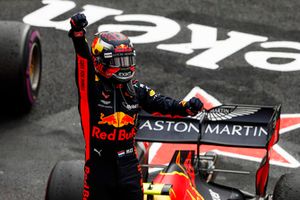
x=84 y=70
x=153 y=102
x=83 y=56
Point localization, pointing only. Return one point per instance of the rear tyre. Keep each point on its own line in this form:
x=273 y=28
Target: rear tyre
x=287 y=187
x=20 y=66
x=66 y=181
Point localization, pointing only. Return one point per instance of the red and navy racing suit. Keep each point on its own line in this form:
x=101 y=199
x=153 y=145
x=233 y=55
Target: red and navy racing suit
x=109 y=113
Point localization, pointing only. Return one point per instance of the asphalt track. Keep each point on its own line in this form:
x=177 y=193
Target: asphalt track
x=31 y=145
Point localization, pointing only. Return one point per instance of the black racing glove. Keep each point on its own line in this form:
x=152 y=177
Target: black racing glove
x=78 y=23
x=193 y=106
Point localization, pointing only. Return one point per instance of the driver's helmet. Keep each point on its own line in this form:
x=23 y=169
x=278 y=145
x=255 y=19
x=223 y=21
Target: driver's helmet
x=114 y=56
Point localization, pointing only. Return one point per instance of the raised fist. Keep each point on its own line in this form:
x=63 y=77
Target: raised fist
x=78 y=22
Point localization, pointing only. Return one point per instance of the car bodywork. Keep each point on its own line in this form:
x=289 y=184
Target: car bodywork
x=186 y=177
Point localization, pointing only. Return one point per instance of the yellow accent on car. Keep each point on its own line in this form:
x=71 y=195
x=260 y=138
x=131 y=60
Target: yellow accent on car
x=198 y=195
x=158 y=191
x=174 y=173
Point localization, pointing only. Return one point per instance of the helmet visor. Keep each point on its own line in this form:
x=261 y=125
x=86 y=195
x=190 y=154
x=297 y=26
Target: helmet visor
x=122 y=61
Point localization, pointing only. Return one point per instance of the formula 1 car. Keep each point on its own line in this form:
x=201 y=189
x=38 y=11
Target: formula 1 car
x=190 y=175
x=20 y=68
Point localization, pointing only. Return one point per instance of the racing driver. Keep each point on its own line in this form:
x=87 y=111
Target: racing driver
x=109 y=101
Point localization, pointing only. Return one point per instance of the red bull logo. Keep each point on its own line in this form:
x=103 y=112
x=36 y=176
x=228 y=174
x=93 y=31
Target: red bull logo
x=123 y=48
x=118 y=119
x=119 y=135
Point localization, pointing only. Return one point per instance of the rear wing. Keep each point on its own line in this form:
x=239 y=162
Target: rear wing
x=226 y=125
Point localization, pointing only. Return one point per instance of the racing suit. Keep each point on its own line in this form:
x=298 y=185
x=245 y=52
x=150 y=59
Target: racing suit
x=109 y=114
